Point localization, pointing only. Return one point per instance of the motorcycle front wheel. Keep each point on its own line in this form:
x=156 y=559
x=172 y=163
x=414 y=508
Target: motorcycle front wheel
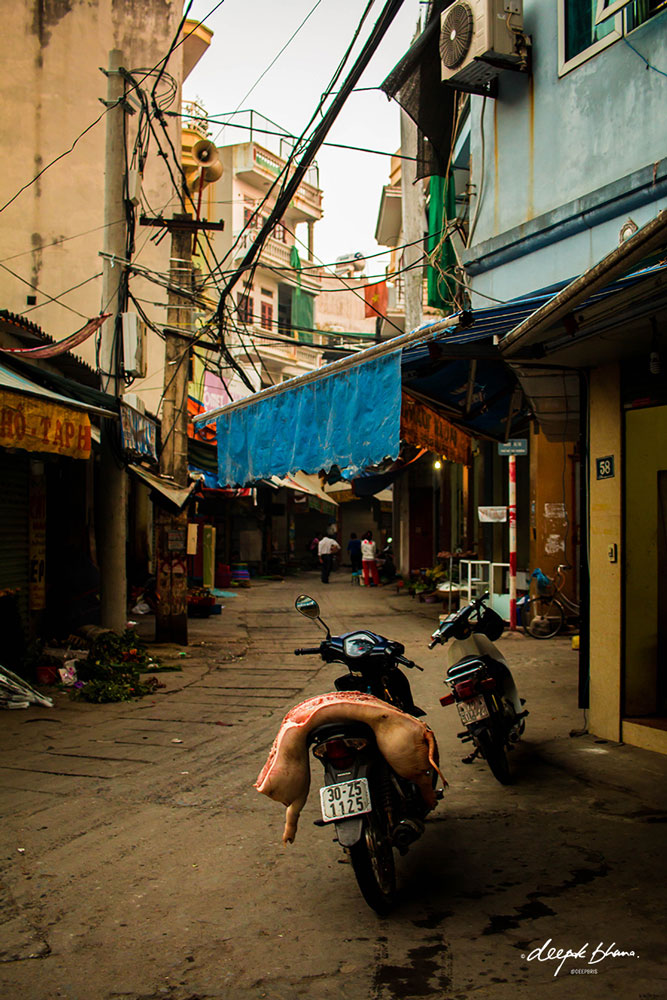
x=372 y=859
x=495 y=756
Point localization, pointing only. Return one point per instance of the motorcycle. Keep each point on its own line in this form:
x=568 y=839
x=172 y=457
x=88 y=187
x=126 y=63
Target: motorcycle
x=482 y=686
x=374 y=810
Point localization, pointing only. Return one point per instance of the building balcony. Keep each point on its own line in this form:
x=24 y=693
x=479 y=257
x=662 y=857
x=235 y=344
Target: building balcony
x=276 y=254
x=389 y=224
x=258 y=166
x=195 y=119
x=276 y=356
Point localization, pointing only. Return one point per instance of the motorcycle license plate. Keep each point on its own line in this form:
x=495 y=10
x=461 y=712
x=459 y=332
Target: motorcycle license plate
x=346 y=798
x=473 y=710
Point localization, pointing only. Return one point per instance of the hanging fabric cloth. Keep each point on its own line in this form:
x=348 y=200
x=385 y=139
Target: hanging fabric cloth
x=303 y=304
x=441 y=285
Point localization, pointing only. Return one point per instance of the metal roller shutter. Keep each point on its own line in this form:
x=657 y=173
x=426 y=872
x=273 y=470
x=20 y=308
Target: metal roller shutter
x=14 y=546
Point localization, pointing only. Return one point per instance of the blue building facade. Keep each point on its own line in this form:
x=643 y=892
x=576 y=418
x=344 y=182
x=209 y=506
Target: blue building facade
x=565 y=156
x=568 y=179
x=547 y=117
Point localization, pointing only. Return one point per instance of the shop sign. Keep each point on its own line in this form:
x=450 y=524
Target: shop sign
x=176 y=540
x=489 y=515
x=422 y=426
x=518 y=446
x=139 y=432
x=34 y=424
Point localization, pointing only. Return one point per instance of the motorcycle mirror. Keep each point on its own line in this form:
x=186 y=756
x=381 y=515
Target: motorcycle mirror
x=307 y=606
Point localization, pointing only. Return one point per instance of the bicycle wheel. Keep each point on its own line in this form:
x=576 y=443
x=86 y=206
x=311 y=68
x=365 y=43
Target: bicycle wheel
x=373 y=863
x=542 y=618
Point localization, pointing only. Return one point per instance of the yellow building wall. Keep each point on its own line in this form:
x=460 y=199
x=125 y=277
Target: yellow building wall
x=605 y=577
x=646 y=454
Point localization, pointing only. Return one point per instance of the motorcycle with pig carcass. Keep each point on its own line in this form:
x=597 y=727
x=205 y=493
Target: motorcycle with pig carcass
x=380 y=760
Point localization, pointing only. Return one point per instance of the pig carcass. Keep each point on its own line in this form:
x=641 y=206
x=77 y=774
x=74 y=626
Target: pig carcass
x=406 y=743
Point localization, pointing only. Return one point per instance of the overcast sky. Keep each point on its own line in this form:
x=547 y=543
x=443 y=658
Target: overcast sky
x=248 y=34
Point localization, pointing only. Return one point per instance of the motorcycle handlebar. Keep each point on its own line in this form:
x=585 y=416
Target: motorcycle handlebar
x=408 y=663
x=307 y=651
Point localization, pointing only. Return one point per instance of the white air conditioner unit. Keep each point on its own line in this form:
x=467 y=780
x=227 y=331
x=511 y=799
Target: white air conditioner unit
x=479 y=39
x=134 y=345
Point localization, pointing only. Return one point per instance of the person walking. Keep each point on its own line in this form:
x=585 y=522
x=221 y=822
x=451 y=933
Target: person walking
x=368 y=564
x=354 y=550
x=326 y=550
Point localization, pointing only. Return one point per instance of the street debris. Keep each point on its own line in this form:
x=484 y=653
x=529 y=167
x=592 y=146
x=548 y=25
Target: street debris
x=113 y=668
x=17 y=693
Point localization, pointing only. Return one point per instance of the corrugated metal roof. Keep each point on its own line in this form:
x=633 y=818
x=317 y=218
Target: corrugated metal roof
x=500 y=319
x=13 y=382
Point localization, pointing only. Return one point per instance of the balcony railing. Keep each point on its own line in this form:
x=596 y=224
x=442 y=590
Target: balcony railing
x=256 y=165
x=277 y=254
x=277 y=351
x=195 y=118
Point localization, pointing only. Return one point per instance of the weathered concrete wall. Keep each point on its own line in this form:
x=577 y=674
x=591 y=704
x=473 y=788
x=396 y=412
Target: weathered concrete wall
x=645 y=455
x=553 y=507
x=548 y=140
x=50 y=89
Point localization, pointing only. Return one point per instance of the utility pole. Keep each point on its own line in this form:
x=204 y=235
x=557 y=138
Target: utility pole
x=171 y=621
x=113 y=505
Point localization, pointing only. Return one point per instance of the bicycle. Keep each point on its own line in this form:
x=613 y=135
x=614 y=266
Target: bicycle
x=544 y=616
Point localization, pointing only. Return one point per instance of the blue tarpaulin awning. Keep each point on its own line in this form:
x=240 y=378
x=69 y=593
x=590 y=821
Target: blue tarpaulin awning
x=348 y=413
x=351 y=419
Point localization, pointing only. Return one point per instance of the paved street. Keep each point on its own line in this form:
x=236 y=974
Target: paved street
x=138 y=862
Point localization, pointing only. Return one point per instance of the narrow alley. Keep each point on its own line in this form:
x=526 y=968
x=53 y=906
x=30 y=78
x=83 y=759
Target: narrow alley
x=138 y=857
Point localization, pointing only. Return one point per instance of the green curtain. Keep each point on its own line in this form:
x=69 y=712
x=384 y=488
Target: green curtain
x=303 y=304
x=295 y=262
x=441 y=287
x=303 y=315
x=640 y=11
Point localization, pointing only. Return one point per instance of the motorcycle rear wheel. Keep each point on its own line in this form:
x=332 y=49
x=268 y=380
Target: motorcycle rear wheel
x=495 y=756
x=372 y=859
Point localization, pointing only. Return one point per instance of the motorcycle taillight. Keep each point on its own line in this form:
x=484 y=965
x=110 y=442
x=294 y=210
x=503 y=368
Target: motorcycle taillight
x=488 y=684
x=447 y=699
x=466 y=689
x=340 y=752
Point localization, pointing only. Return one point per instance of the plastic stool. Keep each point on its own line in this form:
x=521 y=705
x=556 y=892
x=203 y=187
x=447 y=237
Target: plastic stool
x=356 y=579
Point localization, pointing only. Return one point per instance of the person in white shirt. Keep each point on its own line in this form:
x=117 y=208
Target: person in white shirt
x=326 y=550
x=368 y=564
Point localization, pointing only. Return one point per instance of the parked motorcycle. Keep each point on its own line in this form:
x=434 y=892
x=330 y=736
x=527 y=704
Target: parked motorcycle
x=374 y=810
x=482 y=686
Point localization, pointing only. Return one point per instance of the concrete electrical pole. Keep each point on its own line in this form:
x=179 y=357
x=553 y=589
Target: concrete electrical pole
x=112 y=537
x=171 y=622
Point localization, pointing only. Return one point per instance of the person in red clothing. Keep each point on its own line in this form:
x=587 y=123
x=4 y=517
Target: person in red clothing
x=368 y=563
